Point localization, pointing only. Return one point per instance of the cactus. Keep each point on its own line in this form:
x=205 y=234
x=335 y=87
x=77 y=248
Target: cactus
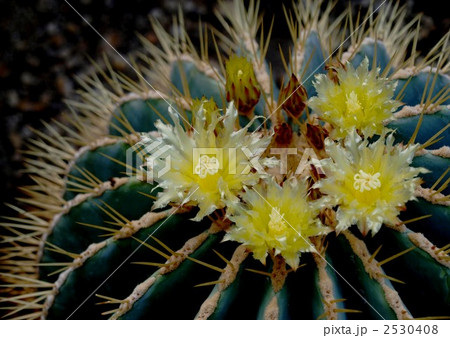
x=101 y=238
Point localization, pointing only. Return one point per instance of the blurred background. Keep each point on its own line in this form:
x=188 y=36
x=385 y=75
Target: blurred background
x=45 y=44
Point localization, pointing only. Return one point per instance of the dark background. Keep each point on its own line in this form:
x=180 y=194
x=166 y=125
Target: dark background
x=44 y=44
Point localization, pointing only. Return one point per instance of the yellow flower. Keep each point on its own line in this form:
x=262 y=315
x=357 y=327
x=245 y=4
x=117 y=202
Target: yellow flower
x=276 y=219
x=210 y=163
x=369 y=182
x=359 y=99
x=241 y=84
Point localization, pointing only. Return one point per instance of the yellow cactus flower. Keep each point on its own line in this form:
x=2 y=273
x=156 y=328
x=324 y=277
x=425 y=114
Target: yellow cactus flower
x=358 y=99
x=369 y=182
x=276 y=219
x=241 y=84
x=209 y=164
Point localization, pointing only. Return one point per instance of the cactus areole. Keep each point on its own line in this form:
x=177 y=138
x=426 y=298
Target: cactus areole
x=211 y=190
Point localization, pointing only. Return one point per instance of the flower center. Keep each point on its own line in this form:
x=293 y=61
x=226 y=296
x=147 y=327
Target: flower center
x=364 y=181
x=353 y=105
x=207 y=166
x=277 y=225
x=240 y=73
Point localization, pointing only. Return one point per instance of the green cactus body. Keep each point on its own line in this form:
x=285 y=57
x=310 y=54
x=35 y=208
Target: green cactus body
x=90 y=234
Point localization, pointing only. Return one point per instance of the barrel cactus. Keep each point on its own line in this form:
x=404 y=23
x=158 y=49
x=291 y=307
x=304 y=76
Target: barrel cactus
x=210 y=190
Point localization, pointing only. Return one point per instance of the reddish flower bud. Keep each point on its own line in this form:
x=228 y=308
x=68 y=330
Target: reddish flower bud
x=283 y=134
x=293 y=97
x=316 y=135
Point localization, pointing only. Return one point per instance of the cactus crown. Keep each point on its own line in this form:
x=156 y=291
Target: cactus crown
x=230 y=204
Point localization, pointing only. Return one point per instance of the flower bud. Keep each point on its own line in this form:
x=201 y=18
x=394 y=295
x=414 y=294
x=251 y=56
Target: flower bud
x=209 y=106
x=210 y=111
x=283 y=134
x=315 y=136
x=241 y=84
x=293 y=97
